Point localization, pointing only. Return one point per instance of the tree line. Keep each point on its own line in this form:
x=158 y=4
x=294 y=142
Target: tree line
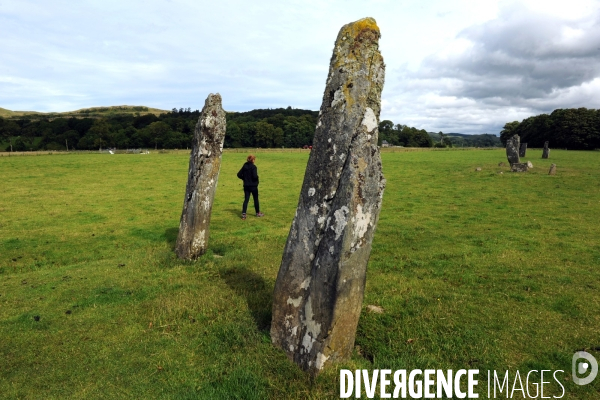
x=285 y=127
x=267 y=128
x=570 y=128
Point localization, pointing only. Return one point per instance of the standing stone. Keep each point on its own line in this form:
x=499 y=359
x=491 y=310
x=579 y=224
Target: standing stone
x=320 y=286
x=523 y=150
x=552 y=170
x=546 y=151
x=203 y=175
x=512 y=149
x=529 y=164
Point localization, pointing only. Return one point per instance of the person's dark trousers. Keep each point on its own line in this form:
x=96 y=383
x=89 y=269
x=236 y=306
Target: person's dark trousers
x=247 y=191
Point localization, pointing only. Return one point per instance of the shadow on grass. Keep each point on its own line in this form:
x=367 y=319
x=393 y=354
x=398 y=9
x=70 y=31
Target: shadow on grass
x=257 y=293
x=236 y=211
x=171 y=236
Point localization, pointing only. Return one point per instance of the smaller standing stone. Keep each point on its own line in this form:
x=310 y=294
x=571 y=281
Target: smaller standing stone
x=552 y=169
x=203 y=175
x=546 y=152
x=519 y=167
x=512 y=149
x=478 y=169
x=523 y=150
x=529 y=164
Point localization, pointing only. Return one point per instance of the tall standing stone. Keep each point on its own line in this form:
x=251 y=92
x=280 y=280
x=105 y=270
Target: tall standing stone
x=512 y=149
x=320 y=286
x=203 y=175
x=523 y=150
x=546 y=151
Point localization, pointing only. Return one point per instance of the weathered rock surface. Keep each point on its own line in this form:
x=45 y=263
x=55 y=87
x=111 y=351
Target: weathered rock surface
x=552 y=170
x=319 y=289
x=519 y=167
x=512 y=149
x=375 y=309
x=523 y=150
x=546 y=151
x=529 y=164
x=203 y=175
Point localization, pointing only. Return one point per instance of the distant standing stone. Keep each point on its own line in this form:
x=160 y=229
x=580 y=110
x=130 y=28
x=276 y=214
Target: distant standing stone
x=478 y=169
x=203 y=175
x=320 y=286
x=529 y=164
x=512 y=149
x=552 y=170
x=519 y=167
x=546 y=151
x=523 y=150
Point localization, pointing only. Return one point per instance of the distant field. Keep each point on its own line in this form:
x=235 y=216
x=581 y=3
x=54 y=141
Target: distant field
x=474 y=270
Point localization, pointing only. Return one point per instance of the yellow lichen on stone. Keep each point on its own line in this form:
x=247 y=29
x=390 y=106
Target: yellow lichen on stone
x=365 y=23
x=348 y=96
x=355 y=28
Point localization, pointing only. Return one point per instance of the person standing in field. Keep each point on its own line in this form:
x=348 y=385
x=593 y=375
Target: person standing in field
x=249 y=174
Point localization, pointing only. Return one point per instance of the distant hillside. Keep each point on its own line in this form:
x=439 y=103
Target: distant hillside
x=92 y=112
x=4 y=113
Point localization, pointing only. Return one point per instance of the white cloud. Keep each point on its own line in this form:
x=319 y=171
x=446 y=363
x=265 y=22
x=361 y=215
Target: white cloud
x=516 y=65
x=465 y=65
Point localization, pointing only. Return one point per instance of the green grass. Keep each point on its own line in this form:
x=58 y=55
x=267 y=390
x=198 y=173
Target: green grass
x=473 y=269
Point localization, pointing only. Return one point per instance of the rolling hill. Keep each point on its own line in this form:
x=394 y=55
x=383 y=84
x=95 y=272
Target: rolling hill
x=86 y=112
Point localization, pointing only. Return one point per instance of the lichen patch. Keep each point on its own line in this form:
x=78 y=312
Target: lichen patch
x=320 y=362
x=369 y=120
x=338 y=98
x=294 y=302
x=305 y=283
x=361 y=222
x=340 y=221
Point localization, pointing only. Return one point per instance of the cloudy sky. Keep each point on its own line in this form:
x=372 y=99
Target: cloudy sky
x=465 y=66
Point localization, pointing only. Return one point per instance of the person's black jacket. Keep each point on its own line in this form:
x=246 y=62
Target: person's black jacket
x=249 y=174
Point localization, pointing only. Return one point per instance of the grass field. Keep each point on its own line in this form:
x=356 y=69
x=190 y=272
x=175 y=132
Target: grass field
x=473 y=270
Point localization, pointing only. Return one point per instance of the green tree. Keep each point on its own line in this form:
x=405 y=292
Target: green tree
x=8 y=129
x=268 y=135
x=233 y=136
x=508 y=131
x=158 y=132
x=386 y=132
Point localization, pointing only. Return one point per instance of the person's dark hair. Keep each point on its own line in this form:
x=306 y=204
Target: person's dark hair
x=251 y=158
